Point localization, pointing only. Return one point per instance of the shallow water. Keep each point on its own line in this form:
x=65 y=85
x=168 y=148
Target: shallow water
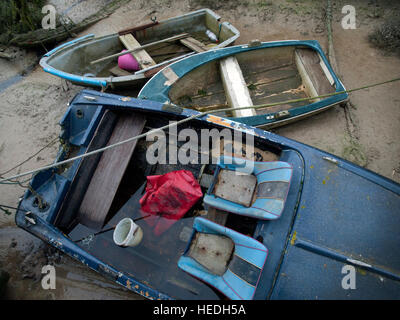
x=10 y=81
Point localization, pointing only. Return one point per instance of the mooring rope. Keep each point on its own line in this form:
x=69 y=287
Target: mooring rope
x=200 y=114
x=5 y=208
x=30 y=157
x=331 y=51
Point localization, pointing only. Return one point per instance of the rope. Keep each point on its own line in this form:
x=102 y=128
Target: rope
x=57 y=164
x=331 y=51
x=102 y=149
x=92 y=235
x=29 y=158
x=4 y=207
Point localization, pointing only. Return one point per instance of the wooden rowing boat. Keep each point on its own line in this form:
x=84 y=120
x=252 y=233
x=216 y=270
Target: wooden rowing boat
x=251 y=75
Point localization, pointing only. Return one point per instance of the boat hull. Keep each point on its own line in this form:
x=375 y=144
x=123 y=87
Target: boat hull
x=337 y=215
x=286 y=78
x=71 y=61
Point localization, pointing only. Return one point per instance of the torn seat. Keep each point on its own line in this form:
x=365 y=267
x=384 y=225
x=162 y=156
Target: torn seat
x=225 y=259
x=270 y=182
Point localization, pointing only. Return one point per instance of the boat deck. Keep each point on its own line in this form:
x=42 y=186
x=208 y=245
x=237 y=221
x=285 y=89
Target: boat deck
x=155 y=260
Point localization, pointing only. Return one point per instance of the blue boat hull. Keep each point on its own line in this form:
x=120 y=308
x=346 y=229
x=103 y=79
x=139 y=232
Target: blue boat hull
x=337 y=214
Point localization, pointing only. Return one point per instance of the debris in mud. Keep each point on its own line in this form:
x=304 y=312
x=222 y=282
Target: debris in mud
x=387 y=36
x=33 y=261
x=6 y=56
x=36 y=36
x=31 y=257
x=353 y=151
x=396 y=171
x=19 y=16
x=13 y=243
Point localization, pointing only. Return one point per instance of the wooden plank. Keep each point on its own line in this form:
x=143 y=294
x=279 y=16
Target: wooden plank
x=311 y=62
x=236 y=90
x=139 y=48
x=141 y=56
x=193 y=44
x=118 y=72
x=217 y=216
x=308 y=83
x=109 y=172
x=137 y=28
x=67 y=214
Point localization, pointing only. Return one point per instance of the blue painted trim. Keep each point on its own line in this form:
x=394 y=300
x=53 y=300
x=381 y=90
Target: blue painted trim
x=75 y=78
x=48 y=233
x=67 y=44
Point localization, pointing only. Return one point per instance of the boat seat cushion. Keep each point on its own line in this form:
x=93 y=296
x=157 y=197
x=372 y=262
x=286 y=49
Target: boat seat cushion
x=237 y=188
x=212 y=251
x=240 y=279
x=273 y=182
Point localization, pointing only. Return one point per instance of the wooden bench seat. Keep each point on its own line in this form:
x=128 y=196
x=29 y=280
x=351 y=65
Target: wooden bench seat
x=142 y=57
x=236 y=91
x=193 y=44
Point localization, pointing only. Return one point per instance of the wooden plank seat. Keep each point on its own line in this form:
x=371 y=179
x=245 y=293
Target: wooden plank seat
x=236 y=91
x=193 y=44
x=317 y=80
x=142 y=57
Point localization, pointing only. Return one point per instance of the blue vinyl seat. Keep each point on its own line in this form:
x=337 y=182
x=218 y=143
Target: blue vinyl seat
x=240 y=273
x=273 y=182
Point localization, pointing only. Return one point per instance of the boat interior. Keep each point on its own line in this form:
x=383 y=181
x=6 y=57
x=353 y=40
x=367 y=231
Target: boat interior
x=193 y=38
x=254 y=78
x=193 y=256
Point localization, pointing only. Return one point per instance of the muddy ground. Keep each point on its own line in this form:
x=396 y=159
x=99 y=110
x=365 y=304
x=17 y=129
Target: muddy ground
x=32 y=102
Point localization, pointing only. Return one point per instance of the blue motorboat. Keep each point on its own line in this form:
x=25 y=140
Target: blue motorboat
x=257 y=74
x=284 y=221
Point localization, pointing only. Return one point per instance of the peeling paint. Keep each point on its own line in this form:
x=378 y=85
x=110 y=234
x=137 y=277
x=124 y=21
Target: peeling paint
x=171 y=76
x=219 y=120
x=294 y=237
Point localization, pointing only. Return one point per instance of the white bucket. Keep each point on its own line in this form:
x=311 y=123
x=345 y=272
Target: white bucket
x=127 y=233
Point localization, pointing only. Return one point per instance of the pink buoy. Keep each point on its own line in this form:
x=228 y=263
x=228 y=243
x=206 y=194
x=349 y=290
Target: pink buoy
x=128 y=62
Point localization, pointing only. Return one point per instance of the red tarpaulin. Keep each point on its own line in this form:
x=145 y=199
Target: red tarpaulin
x=168 y=197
